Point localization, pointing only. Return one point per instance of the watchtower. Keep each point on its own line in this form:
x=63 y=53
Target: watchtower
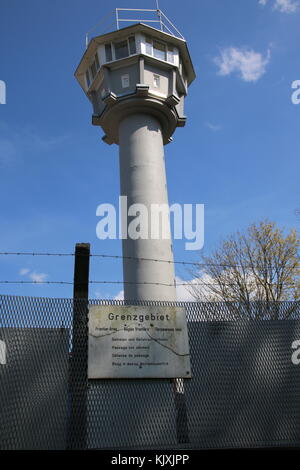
x=137 y=79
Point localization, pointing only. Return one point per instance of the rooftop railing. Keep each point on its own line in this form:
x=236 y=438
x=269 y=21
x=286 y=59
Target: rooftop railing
x=126 y=16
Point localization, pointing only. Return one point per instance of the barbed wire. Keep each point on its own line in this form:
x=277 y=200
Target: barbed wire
x=97 y=255
x=100 y=255
x=101 y=282
x=187 y=283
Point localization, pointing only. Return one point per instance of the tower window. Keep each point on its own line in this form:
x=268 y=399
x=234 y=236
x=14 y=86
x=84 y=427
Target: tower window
x=108 y=53
x=132 y=46
x=93 y=70
x=180 y=66
x=159 y=50
x=121 y=49
x=95 y=66
x=87 y=77
x=97 y=61
x=148 y=45
x=170 y=54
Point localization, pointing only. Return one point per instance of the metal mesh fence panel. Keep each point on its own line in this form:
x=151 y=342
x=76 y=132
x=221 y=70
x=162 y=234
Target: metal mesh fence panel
x=34 y=334
x=245 y=389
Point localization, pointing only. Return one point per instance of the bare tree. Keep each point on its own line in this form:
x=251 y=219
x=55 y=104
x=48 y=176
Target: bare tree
x=260 y=265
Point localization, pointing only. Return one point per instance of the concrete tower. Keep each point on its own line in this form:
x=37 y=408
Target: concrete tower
x=136 y=79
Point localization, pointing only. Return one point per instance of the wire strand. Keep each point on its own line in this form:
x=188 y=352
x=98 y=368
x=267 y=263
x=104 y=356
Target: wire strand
x=133 y=258
x=187 y=283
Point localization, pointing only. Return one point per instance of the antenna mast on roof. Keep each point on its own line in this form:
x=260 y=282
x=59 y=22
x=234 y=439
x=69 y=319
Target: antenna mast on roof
x=159 y=15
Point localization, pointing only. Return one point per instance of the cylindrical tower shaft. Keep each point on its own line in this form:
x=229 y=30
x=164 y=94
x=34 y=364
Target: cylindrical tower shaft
x=143 y=181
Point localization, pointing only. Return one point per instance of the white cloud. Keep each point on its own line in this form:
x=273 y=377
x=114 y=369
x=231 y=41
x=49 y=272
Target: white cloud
x=194 y=289
x=120 y=295
x=213 y=127
x=38 y=277
x=250 y=65
x=24 y=271
x=33 y=275
x=284 y=6
x=100 y=295
x=183 y=293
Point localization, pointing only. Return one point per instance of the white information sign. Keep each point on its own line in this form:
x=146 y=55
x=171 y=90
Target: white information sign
x=138 y=342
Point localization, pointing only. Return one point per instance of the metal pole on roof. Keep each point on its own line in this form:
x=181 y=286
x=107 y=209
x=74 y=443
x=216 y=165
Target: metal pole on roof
x=159 y=15
x=117 y=17
x=173 y=26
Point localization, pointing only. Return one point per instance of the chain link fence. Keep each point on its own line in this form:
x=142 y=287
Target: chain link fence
x=245 y=389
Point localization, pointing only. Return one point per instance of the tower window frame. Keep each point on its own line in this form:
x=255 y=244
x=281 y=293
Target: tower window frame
x=131 y=44
x=97 y=61
x=111 y=53
x=121 y=49
x=159 y=49
x=108 y=52
x=170 y=54
x=87 y=78
x=93 y=70
x=149 y=45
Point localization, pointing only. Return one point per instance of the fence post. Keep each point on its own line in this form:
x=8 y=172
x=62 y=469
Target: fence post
x=78 y=378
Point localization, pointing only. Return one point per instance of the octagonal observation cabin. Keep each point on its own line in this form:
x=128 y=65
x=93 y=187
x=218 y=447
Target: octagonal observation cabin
x=139 y=68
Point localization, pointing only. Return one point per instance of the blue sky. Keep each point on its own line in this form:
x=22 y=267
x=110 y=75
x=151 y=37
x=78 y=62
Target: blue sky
x=238 y=154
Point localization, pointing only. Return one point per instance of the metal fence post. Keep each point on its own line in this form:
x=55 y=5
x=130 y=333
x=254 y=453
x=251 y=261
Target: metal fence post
x=78 y=378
